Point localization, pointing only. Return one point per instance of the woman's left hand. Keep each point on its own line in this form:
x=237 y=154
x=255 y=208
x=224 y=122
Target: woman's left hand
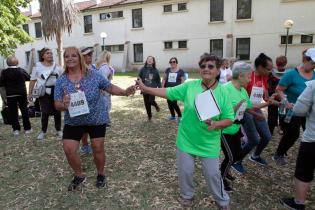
x=212 y=125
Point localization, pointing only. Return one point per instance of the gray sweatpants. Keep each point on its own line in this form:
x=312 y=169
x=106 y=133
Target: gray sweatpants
x=211 y=172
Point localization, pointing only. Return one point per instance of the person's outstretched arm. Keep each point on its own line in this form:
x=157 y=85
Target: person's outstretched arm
x=115 y=90
x=160 y=92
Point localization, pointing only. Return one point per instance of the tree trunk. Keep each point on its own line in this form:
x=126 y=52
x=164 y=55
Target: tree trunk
x=59 y=47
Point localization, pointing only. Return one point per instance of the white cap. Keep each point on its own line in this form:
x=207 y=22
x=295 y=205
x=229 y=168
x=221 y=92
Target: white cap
x=310 y=53
x=86 y=50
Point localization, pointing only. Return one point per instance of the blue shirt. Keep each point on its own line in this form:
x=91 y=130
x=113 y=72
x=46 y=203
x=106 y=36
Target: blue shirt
x=90 y=85
x=294 y=83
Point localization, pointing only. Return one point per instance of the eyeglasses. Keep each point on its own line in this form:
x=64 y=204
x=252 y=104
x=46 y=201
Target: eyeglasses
x=309 y=59
x=172 y=62
x=210 y=66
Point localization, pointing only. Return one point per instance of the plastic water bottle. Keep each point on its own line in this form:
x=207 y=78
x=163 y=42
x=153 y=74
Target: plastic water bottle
x=288 y=116
x=283 y=104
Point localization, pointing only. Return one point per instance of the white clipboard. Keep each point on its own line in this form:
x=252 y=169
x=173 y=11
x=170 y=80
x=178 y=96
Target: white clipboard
x=206 y=105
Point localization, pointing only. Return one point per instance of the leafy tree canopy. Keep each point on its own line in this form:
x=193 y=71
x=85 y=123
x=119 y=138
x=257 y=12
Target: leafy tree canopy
x=11 y=20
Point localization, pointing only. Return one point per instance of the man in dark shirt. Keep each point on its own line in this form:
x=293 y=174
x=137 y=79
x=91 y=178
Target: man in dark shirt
x=13 y=80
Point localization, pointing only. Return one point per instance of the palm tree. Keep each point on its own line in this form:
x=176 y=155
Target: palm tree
x=57 y=16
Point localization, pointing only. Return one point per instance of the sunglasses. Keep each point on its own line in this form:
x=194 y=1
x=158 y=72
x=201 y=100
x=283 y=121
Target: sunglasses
x=173 y=62
x=210 y=66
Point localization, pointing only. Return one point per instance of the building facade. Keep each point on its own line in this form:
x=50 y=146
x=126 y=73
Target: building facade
x=184 y=29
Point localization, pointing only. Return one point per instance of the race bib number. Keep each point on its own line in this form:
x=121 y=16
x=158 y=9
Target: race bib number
x=172 y=77
x=78 y=104
x=257 y=95
x=240 y=112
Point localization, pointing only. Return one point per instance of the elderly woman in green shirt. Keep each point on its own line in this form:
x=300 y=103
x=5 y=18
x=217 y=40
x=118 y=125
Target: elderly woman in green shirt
x=198 y=138
x=231 y=138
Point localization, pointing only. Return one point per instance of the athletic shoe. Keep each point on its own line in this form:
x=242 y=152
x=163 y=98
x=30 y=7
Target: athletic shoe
x=27 y=132
x=238 y=166
x=227 y=186
x=86 y=149
x=280 y=160
x=224 y=207
x=100 y=181
x=258 y=160
x=157 y=108
x=16 y=132
x=291 y=204
x=230 y=177
x=59 y=134
x=186 y=203
x=171 y=118
x=76 y=182
x=41 y=135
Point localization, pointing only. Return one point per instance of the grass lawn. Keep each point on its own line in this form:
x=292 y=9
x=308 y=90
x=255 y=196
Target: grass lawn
x=140 y=166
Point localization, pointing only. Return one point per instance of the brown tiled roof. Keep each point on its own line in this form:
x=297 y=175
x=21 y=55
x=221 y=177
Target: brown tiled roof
x=84 y=5
x=132 y=1
x=80 y=6
x=90 y=5
x=27 y=13
x=36 y=15
x=108 y=3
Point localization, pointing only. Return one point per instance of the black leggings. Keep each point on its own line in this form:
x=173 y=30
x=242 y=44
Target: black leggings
x=47 y=109
x=272 y=117
x=231 y=147
x=291 y=132
x=149 y=100
x=173 y=106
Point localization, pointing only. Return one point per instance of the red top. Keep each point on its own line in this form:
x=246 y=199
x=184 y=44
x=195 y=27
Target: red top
x=259 y=81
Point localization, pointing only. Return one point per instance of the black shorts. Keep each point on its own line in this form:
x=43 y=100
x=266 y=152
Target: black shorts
x=76 y=132
x=305 y=164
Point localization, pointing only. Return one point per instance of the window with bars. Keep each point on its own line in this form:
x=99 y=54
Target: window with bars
x=137 y=18
x=168 y=45
x=167 y=8
x=243 y=48
x=27 y=57
x=216 y=47
x=307 y=38
x=284 y=39
x=88 y=26
x=115 y=48
x=182 y=6
x=182 y=44
x=26 y=28
x=244 y=9
x=138 y=52
x=216 y=10
x=111 y=15
x=38 y=30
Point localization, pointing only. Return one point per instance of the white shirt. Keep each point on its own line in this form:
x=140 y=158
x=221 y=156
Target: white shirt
x=41 y=73
x=224 y=75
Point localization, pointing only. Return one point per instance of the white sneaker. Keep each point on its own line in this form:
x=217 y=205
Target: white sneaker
x=27 y=132
x=41 y=135
x=59 y=134
x=16 y=132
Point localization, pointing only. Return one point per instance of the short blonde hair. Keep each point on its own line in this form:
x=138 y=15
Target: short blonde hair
x=104 y=57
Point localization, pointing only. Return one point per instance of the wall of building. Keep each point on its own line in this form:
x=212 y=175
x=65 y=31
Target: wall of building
x=264 y=29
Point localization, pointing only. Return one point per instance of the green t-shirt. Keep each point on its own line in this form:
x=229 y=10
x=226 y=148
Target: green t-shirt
x=235 y=96
x=193 y=135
